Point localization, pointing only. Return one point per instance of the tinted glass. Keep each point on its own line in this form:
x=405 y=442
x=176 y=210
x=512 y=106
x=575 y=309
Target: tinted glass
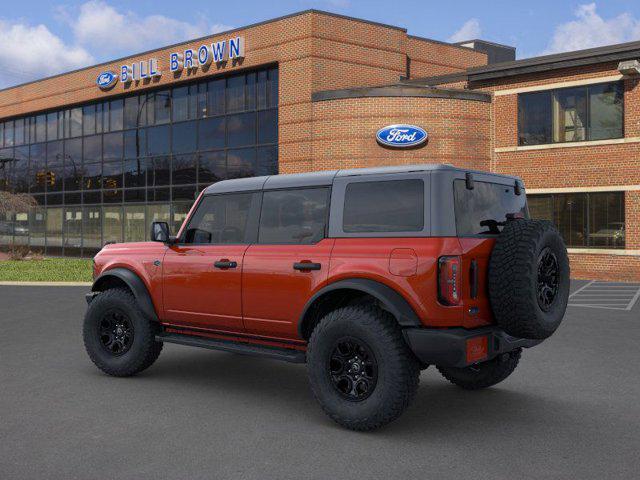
x=184 y=137
x=184 y=169
x=235 y=93
x=112 y=146
x=211 y=133
x=570 y=115
x=483 y=210
x=268 y=126
x=534 y=118
x=212 y=167
x=131 y=112
x=241 y=130
x=220 y=219
x=116 y=118
x=158 y=140
x=180 y=104
x=294 y=216
x=606 y=111
x=390 y=206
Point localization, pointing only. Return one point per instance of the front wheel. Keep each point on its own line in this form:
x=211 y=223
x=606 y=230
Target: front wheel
x=483 y=375
x=360 y=369
x=118 y=338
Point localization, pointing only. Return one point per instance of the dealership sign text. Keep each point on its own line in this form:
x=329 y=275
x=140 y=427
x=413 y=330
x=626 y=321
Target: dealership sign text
x=401 y=136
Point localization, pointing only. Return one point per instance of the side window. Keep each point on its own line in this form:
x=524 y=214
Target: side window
x=294 y=216
x=220 y=219
x=387 y=206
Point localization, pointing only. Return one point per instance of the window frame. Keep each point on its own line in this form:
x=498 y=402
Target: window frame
x=552 y=92
x=325 y=233
x=338 y=195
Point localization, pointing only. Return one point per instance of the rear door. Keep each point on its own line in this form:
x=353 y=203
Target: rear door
x=289 y=261
x=202 y=274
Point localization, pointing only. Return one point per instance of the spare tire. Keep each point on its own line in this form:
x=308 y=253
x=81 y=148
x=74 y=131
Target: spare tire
x=529 y=279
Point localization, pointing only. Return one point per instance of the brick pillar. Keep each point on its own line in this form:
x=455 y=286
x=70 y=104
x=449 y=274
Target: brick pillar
x=632 y=219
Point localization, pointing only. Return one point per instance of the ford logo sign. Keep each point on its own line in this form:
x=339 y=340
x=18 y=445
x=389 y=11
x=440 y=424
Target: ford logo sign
x=106 y=80
x=401 y=136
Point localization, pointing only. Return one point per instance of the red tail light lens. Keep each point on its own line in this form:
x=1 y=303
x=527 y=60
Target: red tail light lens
x=449 y=280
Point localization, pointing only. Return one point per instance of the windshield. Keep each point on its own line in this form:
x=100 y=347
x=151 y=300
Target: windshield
x=483 y=210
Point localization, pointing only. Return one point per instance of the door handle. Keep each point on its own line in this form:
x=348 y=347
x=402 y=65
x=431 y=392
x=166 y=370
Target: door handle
x=224 y=264
x=303 y=266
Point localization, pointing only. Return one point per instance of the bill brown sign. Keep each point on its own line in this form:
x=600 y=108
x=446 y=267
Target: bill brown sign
x=189 y=59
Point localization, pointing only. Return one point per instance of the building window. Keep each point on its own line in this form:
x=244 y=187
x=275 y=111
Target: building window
x=577 y=114
x=585 y=220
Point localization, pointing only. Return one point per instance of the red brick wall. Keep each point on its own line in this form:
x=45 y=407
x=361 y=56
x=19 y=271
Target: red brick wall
x=429 y=58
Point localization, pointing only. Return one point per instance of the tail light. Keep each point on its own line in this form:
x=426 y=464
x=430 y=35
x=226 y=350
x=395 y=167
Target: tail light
x=449 y=280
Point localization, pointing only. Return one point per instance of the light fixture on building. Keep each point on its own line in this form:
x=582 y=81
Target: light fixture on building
x=629 y=67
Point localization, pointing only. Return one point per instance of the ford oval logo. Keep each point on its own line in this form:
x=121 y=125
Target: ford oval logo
x=106 y=80
x=401 y=136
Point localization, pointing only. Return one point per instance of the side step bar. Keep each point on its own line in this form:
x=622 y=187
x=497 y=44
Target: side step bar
x=287 y=355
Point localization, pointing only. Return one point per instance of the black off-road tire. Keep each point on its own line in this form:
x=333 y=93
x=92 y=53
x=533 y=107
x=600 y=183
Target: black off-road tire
x=143 y=349
x=398 y=370
x=483 y=375
x=516 y=272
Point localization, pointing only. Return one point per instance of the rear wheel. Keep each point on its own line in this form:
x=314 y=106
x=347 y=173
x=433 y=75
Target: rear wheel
x=360 y=369
x=118 y=338
x=483 y=375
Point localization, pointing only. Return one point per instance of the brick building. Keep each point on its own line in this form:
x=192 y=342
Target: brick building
x=108 y=149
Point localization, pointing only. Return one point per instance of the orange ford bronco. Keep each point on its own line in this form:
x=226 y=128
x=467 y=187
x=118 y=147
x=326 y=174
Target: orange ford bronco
x=367 y=276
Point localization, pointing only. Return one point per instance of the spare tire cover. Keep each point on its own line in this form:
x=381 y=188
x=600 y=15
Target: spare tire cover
x=529 y=279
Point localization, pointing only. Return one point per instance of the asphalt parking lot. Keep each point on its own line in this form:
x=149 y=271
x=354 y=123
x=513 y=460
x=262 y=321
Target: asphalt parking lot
x=571 y=410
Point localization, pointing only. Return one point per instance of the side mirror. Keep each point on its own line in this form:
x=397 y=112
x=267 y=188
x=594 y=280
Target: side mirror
x=160 y=232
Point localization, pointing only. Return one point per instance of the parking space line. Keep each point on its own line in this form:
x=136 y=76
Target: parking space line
x=612 y=296
x=634 y=300
x=582 y=288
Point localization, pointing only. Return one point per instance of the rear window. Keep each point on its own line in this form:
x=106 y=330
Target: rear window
x=389 y=206
x=483 y=210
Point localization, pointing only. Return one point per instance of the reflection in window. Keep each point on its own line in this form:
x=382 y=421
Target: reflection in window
x=220 y=219
x=241 y=163
x=134 y=223
x=241 y=129
x=73 y=231
x=587 y=220
x=184 y=169
x=112 y=224
x=54 y=231
x=184 y=137
x=212 y=167
x=211 y=133
x=158 y=140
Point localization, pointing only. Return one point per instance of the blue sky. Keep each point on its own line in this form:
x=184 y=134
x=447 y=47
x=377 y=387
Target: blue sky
x=43 y=37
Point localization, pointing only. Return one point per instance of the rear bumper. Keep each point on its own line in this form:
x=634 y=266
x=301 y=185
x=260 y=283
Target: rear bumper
x=459 y=347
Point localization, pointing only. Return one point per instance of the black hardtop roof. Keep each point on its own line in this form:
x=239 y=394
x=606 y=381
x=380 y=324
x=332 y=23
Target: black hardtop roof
x=325 y=178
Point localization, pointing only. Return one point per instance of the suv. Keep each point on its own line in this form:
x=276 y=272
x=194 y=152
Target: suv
x=366 y=275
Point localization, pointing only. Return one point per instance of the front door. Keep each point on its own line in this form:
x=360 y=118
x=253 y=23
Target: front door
x=289 y=261
x=202 y=273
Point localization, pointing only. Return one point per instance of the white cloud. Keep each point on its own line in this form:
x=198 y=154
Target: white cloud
x=589 y=29
x=29 y=52
x=107 y=31
x=469 y=31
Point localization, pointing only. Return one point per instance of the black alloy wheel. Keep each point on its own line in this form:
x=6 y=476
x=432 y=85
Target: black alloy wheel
x=116 y=332
x=353 y=369
x=548 y=282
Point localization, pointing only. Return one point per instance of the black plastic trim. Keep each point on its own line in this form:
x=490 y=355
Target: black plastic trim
x=135 y=284
x=391 y=300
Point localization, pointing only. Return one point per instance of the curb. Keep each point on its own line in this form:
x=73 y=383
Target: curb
x=46 y=284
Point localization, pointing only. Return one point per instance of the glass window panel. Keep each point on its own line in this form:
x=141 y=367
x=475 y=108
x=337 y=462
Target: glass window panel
x=92 y=148
x=179 y=212
x=215 y=97
x=92 y=197
x=116 y=115
x=250 y=91
x=184 y=169
x=180 y=104
x=72 y=198
x=55 y=167
x=102 y=120
x=135 y=143
x=92 y=173
x=273 y=87
x=158 y=194
x=161 y=171
x=606 y=220
x=75 y=122
x=112 y=146
x=212 y=167
x=21 y=228
x=606 y=111
x=268 y=126
x=54 y=199
x=261 y=89
x=41 y=128
x=534 y=118
x=89 y=124
x=267 y=161
x=131 y=112
x=390 y=206
x=1 y=134
x=6 y=229
x=157 y=213
x=21 y=169
x=183 y=137
x=162 y=110
x=52 y=126
x=135 y=195
x=294 y=216
x=158 y=140
x=37 y=168
x=112 y=175
x=211 y=133
x=54 y=231
x=220 y=219
x=19 y=132
x=184 y=193
x=193 y=101
x=135 y=171
x=241 y=129
x=134 y=223
x=571 y=214
x=73 y=164
x=112 y=224
x=37 y=227
x=201 y=105
x=541 y=207
x=8 y=134
x=241 y=163
x=92 y=228
x=570 y=115
x=6 y=165
x=236 y=93
x=73 y=231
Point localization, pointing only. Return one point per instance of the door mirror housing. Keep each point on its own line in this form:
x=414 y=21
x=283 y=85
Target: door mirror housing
x=160 y=233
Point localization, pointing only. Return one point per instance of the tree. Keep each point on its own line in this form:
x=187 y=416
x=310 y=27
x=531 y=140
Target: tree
x=16 y=202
